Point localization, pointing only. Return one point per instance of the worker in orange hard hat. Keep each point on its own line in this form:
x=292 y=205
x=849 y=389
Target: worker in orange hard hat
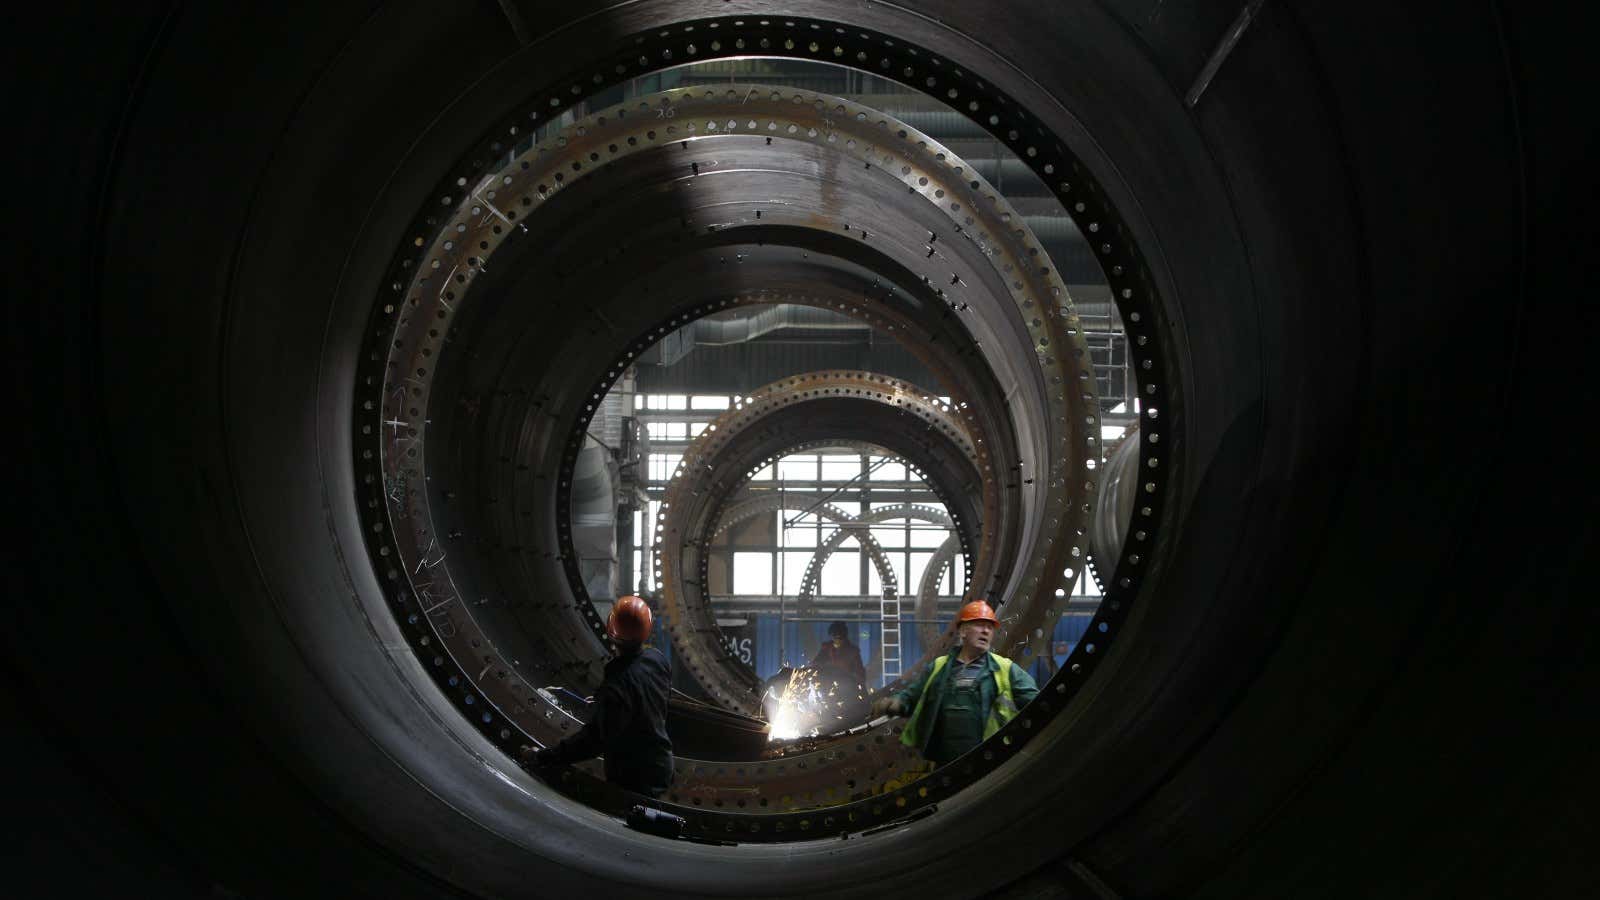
x=964 y=696
x=628 y=719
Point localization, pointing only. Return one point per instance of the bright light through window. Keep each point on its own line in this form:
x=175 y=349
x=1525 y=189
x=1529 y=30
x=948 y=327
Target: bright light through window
x=752 y=573
x=662 y=465
x=919 y=563
x=842 y=573
x=794 y=571
x=840 y=468
x=799 y=467
x=889 y=471
x=800 y=535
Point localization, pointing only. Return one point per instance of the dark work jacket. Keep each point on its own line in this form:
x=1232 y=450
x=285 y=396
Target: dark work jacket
x=628 y=725
x=840 y=663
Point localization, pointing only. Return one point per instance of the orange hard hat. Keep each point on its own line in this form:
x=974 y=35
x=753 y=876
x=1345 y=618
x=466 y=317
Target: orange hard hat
x=630 y=620
x=977 y=611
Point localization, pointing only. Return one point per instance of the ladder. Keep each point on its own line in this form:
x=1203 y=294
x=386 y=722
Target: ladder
x=890 y=640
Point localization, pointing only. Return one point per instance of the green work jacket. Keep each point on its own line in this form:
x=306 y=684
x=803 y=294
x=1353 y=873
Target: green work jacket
x=925 y=698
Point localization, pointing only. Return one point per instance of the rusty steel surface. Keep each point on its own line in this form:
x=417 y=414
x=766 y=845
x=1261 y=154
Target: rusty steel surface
x=995 y=281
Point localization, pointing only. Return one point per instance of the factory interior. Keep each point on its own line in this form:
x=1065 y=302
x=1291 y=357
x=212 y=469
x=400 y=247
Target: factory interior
x=368 y=357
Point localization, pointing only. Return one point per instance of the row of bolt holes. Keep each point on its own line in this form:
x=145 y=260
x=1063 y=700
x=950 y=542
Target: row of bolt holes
x=773 y=770
x=1146 y=364
x=838 y=51
x=906 y=171
x=858 y=393
x=1150 y=486
x=791 y=128
x=902 y=134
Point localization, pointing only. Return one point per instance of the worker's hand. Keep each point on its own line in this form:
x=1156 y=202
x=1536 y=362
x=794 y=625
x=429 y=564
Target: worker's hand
x=887 y=706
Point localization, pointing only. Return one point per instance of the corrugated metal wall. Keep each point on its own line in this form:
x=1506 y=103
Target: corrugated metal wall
x=778 y=644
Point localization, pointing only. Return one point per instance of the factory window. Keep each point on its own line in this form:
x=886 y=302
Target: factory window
x=800 y=532
x=840 y=468
x=890 y=534
x=752 y=573
x=841 y=574
x=918 y=565
x=668 y=431
x=892 y=470
x=665 y=401
x=701 y=401
x=794 y=565
x=662 y=465
x=798 y=467
x=927 y=534
x=695 y=428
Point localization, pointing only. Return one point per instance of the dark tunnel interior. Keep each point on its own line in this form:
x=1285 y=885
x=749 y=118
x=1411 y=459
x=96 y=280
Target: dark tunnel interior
x=328 y=324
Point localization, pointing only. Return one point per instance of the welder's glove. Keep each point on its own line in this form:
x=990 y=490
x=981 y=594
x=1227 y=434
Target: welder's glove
x=887 y=706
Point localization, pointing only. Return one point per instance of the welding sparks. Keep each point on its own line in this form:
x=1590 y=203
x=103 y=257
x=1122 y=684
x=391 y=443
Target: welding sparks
x=810 y=705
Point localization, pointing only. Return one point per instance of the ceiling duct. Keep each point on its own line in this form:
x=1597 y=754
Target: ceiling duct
x=744 y=325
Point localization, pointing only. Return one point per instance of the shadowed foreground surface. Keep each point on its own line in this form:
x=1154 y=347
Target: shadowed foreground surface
x=1361 y=669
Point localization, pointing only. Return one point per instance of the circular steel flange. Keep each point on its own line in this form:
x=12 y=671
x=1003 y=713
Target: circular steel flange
x=703 y=482
x=859 y=527
x=926 y=607
x=1114 y=510
x=391 y=466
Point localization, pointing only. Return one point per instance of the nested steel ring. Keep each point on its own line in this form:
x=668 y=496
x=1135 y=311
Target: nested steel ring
x=843 y=522
x=744 y=439
x=927 y=606
x=960 y=540
x=437 y=615
x=771 y=502
x=859 y=527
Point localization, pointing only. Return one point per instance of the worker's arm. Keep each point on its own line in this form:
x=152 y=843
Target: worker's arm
x=1023 y=687
x=608 y=716
x=902 y=702
x=907 y=696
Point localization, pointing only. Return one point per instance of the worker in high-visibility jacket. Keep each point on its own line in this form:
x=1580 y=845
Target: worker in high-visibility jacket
x=963 y=697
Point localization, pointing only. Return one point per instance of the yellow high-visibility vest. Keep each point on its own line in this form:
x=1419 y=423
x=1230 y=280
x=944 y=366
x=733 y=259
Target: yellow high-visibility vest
x=1005 y=708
